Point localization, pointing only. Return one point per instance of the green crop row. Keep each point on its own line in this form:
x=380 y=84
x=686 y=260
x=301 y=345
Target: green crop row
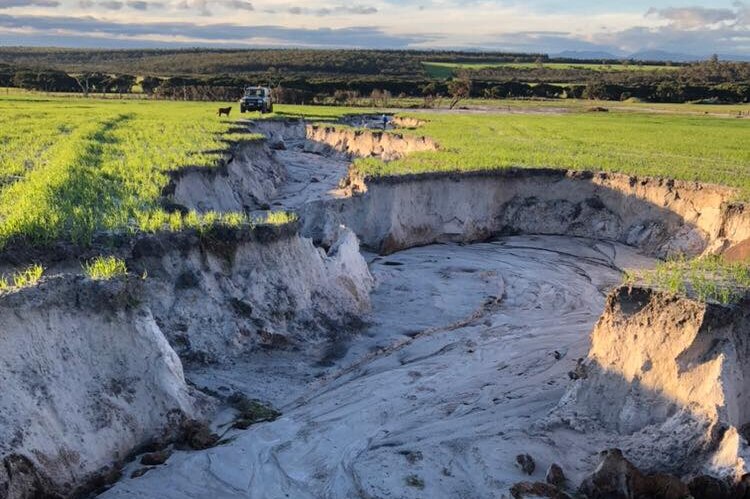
x=71 y=167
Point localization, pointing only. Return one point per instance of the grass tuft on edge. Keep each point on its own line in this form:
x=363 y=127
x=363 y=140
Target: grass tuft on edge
x=709 y=279
x=280 y=218
x=24 y=278
x=104 y=268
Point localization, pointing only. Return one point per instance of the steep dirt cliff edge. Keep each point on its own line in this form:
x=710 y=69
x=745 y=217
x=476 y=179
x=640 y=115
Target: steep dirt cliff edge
x=389 y=213
x=670 y=376
x=94 y=369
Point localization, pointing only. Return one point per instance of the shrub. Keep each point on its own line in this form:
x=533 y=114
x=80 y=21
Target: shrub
x=595 y=90
x=459 y=89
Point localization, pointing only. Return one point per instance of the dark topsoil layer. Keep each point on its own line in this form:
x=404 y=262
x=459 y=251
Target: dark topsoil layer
x=220 y=239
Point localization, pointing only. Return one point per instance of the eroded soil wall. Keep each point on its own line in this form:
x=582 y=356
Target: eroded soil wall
x=661 y=217
x=670 y=376
x=220 y=295
x=246 y=180
x=87 y=376
x=210 y=298
x=91 y=368
x=365 y=143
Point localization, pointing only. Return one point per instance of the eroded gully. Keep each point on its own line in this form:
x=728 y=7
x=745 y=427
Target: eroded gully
x=465 y=352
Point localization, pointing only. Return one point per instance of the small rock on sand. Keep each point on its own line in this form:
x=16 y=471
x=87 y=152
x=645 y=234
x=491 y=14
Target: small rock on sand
x=555 y=475
x=277 y=143
x=197 y=435
x=526 y=463
x=617 y=478
x=156 y=458
x=580 y=371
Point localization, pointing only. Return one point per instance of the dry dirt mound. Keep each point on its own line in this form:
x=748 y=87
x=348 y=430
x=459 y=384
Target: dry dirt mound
x=407 y=122
x=740 y=252
x=671 y=377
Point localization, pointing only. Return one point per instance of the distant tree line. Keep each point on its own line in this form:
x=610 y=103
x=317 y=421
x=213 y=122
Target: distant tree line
x=666 y=91
x=711 y=80
x=282 y=62
x=51 y=80
x=708 y=72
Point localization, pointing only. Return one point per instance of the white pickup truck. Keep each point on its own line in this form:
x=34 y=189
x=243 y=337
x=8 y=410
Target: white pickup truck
x=256 y=99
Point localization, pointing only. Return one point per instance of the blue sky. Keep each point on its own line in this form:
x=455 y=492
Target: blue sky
x=693 y=27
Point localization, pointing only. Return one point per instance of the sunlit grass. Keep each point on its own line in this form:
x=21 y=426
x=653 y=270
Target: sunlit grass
x=23 y=278
x=159 y=220
x=674 y=142
x=280 y=218
x=709 y=278
x=105 y=268
x=705 y=149
x=71 y=167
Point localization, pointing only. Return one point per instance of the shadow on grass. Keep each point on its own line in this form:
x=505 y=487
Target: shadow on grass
x=90 y=197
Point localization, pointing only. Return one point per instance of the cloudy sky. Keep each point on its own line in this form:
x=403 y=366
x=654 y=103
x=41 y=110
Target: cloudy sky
x=552 y=26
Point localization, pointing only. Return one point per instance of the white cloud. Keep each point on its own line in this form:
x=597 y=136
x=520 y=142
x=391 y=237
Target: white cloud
x=8 y=4
x=693 y=17
x=492 y=24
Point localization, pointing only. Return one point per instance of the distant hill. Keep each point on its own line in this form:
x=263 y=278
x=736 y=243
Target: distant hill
x=644 y=55
x=662 y=55
x=586 y=55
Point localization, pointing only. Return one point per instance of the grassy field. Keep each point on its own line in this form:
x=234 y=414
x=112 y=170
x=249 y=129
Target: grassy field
x=708 y=149
x=70 y=167
x=448 y=69
x=668 y=140
x=583 y=105
x=364 y=105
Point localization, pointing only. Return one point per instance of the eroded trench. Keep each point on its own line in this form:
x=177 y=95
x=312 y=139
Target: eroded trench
x=415 y=333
